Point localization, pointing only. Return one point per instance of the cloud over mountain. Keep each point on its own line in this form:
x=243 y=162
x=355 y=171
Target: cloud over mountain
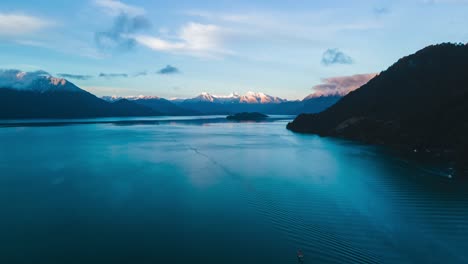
x=12 y=78
x=75 y=76
x=340 y=85
x=37 y=81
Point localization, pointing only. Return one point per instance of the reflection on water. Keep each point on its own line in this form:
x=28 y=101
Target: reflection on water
x=218 y=193
x=132 y=121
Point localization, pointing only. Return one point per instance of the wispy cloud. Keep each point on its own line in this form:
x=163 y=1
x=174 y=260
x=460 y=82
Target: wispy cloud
x=169 y=70
x=114 y=7
x=128 y=20
x=142 y=73
x=20 y=24
x=118 y=35
x=193 y=39
x=335 y=56
x=297 y=25
x=74 y=76
x=113 y=75
x=166 y=70
x=341 y=85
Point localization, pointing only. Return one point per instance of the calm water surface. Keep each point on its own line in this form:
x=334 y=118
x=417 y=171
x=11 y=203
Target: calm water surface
x=215 y=192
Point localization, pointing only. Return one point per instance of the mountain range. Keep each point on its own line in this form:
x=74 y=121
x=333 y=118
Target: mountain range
x=418 y=104
x=40 y=95
x=207 y=104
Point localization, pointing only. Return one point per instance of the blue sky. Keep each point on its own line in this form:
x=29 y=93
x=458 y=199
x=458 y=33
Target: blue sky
x=183 y=48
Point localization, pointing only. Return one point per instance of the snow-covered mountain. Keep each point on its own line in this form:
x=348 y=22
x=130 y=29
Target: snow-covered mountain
x=248 y=98
x=37 y=81
x=41 y=95
x=206 y=103
x=114 y=98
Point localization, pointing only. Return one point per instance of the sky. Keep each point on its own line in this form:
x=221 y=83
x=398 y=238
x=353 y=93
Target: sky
x=182 y=48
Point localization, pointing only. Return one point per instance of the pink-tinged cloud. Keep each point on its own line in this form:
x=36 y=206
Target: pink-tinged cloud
x=340 y=85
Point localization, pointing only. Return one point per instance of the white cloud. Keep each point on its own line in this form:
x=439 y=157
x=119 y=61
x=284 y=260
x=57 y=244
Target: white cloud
x=114 y=7
x=19 y=24
x=282 y=23
x=196 y=39
x=283 y=32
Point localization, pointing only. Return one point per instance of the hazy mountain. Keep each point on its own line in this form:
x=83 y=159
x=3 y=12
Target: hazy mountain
x=40 y=95
x=419 y=103
x=161 y=105
x=316 y=104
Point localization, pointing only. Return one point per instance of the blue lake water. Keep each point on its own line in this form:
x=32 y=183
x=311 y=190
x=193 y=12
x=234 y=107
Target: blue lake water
x=206 y=191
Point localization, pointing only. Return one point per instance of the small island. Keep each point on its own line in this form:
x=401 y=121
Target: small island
x=247 y=116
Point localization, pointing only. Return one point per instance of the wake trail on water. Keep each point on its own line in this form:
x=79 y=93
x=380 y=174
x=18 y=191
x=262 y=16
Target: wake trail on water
x=314 y=240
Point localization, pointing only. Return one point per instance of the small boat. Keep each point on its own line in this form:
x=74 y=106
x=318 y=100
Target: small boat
x=300 y=256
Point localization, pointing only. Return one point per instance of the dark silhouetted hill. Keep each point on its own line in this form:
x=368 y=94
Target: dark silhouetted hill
x=165 y=107
x=64 y=104
x=419 y=103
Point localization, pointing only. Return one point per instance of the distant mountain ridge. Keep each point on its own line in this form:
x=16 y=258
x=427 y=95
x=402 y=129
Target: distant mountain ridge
x=41 y=95
x=208 y=104
x=248 y=98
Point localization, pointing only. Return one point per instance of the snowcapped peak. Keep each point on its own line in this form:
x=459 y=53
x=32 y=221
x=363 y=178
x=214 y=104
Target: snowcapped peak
x=204 y=97
x=114 y=98
x=57 y=81
x=248 y=98
x=20 y=75
x=148 y=97
x=260 y=98
x=37 y=81
x=257 y=94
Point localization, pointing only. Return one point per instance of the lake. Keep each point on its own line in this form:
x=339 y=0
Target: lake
x=191 y=190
